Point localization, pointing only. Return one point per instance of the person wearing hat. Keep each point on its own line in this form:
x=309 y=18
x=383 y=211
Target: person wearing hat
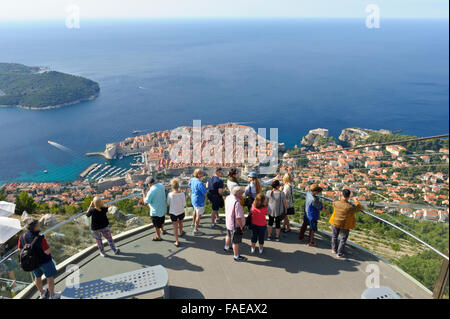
x=156 y=200
x=46 y=265
x=253 y=188
x=313 y=207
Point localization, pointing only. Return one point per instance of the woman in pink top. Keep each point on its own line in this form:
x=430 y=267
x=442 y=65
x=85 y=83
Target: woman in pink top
x=259 y=223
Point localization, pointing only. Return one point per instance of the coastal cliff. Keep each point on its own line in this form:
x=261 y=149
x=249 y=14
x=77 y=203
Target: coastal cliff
x=314 y=137
x=352 y=136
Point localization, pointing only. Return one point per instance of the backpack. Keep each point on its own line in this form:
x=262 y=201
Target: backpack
x=28 y=258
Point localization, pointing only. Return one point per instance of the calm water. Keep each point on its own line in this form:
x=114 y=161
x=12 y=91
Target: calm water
x=292 y=74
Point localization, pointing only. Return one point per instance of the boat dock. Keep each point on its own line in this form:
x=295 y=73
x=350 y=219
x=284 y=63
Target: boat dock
x=87 y=170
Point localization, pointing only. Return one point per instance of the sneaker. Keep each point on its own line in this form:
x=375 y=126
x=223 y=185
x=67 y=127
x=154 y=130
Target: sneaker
x=102 y=254
x=261 y=250
x=269 y=238
x=333 y=252
x=227 y=249
x=57 y=295
x=213 y=225
x=219 y=221
x=196 y=232
x=117 y=252
x=45 y=295
x=252 y=250
x=341 y=256
x=240 y=258
x=277 y=239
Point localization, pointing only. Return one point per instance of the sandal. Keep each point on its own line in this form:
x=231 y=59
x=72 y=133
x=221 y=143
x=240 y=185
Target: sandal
x=156 y=239
x=312 y=244
x=177 y=244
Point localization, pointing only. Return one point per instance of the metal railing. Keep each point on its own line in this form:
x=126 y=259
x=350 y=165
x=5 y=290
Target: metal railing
x=265 y=184
x=139 y=194
x=390 y=224
x=53 y=228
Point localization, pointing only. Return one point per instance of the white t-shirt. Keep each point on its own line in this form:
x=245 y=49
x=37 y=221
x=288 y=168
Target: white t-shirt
x=176 y=202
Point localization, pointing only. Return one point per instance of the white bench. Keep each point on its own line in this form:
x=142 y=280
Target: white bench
x=123 y=285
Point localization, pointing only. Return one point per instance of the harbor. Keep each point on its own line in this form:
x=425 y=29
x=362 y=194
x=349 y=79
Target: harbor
x=113 y=169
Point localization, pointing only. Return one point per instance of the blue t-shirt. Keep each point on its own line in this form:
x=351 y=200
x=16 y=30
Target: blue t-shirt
x=198 y=192
x=156 y=199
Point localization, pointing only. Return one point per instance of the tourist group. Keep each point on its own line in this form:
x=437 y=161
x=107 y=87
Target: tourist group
x=265 y=211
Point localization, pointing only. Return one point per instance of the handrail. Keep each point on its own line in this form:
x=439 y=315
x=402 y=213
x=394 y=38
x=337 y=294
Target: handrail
x=69 y=220
x=265 y=184
x=389 y=223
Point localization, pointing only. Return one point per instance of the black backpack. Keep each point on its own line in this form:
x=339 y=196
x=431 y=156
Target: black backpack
x=28 y=258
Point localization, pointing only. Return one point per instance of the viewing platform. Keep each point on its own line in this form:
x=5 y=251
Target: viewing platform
x=200 y=268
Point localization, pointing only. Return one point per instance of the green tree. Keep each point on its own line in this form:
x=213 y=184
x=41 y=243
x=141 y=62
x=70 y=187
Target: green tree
x=25 y=202
x=126 y=206
x=2 y=196
x=86 y=202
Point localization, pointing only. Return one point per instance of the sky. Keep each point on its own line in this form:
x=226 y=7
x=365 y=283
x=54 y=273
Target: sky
x=57 y=9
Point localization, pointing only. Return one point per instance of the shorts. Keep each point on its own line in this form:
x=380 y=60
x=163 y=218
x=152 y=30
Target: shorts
x=311 y=223
x=291 y=211
x=216 y=201
x=158 y=221
x=277 y=220
x=48 y=269
x=235 y=235
x=199 y=210
x=176 y=218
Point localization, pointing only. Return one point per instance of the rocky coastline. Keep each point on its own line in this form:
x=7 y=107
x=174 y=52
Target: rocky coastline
x=350 y=136
x=51 y=107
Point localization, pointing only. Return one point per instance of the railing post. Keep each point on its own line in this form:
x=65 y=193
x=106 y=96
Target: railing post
x=441 y=281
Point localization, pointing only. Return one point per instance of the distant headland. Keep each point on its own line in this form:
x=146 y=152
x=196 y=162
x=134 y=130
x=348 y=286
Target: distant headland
x=37 y=88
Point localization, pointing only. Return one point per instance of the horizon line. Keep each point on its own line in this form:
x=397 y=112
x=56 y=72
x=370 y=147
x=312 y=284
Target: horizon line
x=118 y=18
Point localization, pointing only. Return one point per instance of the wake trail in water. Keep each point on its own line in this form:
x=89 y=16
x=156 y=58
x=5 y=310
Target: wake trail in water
x=61 y=147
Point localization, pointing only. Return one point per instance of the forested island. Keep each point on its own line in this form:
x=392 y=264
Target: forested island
x=37 y=88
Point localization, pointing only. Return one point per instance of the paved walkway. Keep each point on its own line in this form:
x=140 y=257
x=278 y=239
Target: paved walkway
x=287 y=269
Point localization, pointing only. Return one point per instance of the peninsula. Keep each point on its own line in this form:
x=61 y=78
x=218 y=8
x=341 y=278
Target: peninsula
x=37 y=88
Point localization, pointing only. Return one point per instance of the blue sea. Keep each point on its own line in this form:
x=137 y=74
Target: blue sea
x=293 y=74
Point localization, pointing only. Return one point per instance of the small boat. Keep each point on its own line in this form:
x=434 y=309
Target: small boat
x=45 y=171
